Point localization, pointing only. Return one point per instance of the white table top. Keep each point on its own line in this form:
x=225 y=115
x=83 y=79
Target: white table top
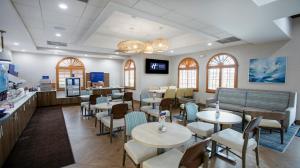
x=152 y=100
x=224 y=117
x=148 y=134
x=84 y=96
x=105 y=106
x=157 y=91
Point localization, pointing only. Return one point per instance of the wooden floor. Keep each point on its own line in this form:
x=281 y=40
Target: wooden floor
x=91 y=151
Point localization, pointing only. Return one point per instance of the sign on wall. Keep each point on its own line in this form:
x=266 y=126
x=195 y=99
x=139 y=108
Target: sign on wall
x=268 y=70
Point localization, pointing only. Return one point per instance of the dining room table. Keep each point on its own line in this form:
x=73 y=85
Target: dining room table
x=150 y=135
x=152 y=100
x=218 y=119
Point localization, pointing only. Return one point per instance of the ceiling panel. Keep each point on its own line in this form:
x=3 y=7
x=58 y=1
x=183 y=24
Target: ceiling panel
x=91 y=12
x=129 y=3
x=75 y=8
x=177 y=18
x=56 y=18
x=151 y=8
x=98 y=3
x=32 y=3
x=126 y=26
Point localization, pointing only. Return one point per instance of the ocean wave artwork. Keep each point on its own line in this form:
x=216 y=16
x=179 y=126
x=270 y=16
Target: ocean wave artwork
x=268 y=70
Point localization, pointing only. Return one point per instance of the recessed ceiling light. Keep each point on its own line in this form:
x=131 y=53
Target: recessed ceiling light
x=16 y=43
x=63 y=6
x=57 y=34
x=56 y=47
x=117 y=53
x=85 y=55
x=23 y=50
x=209 y=44
x=110 y=57
x=171 y=51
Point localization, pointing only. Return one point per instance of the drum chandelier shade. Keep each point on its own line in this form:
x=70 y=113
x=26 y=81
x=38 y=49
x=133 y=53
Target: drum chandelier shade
x=148 y=48
x=160 y=45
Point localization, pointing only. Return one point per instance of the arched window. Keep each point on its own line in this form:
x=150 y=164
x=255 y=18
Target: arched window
x=222 y=71
x=69 y=67
x=188 y=70
x=129 y=74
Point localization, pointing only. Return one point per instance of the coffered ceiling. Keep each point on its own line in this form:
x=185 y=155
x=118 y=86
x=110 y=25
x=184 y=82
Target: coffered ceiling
x=95 y=27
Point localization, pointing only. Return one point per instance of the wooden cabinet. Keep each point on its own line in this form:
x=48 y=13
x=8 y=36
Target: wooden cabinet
x=12 y=127
x=46 y=98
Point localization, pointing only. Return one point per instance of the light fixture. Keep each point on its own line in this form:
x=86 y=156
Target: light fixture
x=85 y=55
x=148 y=48
x=57 y=34
x=63 y=6
x=171 y=51
x=117 y=53
x=131 y=46
x=209 y=44
x=56 y=47
x=23 y=50
x=110 y=57
x=160 y=45
x=16 y=43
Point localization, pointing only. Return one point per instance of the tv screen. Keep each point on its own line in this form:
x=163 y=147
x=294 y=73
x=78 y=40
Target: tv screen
x=3 y=79
x=154 y=66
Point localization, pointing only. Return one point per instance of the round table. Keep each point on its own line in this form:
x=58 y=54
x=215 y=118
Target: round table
x=119 y=94
x=211 y=116
x=149 y=135
x=152 y=101
x=106 y=106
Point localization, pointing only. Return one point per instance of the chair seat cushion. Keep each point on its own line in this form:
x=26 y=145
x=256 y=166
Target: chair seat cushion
x=201 y=128
x=101 y=115
x=266 y=122
x=182 y=106
x=116 y=122
x=255 y=109
x=138 y=152
x=233 y=139
x=155 y=112
x=82 y=104
x=169 y=159
x=146 y=108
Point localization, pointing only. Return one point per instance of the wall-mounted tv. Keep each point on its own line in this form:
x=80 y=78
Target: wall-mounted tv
x=154 y=66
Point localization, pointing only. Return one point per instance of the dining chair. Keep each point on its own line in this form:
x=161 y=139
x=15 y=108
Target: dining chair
x=241 y=142
x=199 y=128
x=194 y=157
x=83 y=102
x=100 y=114
x=165 y=105
x=128 y=98
x=170 y=93
x=114 y=96
x=144 y=106
x=116 y=119
x=271 y=120
x=91 y=105
x=135 y=150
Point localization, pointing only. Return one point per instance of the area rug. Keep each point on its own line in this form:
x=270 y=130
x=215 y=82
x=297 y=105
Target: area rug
x=43 y=143
x=272 y=140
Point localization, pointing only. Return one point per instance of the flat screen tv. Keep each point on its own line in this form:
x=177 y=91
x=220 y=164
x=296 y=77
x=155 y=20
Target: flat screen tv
x=154 y=66
x=3 y=79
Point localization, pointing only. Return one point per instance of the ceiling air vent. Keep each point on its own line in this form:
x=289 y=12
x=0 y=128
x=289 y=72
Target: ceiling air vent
x=228 y=40
x=55 y=43
x=85 y=1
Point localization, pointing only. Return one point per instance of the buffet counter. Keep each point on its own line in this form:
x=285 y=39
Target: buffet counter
x=13 y=124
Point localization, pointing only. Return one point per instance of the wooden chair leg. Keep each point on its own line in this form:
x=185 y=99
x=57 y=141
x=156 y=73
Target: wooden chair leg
x=257 y=156
x=111 y=133
x=124 y=157
x=281 y=135
x=132 y=105
x=95 y=122
x=138 y=165
x=244 y=159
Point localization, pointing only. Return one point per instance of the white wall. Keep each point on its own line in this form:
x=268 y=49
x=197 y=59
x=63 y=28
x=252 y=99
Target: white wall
x=145 y=81
x=243 y=53
x=32 y=67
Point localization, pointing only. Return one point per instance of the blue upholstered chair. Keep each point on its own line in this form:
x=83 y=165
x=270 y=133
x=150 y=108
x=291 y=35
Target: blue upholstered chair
x=135 y=150
x=201 y=129
x=144 y=106
x=101 y=114
x=114 y=96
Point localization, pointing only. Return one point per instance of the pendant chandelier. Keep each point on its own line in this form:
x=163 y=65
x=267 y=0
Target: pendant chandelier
x=135 y=46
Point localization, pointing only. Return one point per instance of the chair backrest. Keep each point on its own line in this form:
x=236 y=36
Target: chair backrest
x=144 y=94
x=252 y=127
x=180 y=92
x=189 y=92
x=84 y=92
x=170 y=93
x=166 y=104
x=195 y=155
x=127 y=96
x=101 y=100
x=134 y=119
x=93 y=99
x=191 y=111
x=118 y=111
x=115 y=91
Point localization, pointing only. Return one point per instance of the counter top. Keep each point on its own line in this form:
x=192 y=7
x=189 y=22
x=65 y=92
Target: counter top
x=17 y=105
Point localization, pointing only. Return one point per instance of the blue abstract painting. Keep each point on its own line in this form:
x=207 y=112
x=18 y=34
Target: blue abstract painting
x=268 y=70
